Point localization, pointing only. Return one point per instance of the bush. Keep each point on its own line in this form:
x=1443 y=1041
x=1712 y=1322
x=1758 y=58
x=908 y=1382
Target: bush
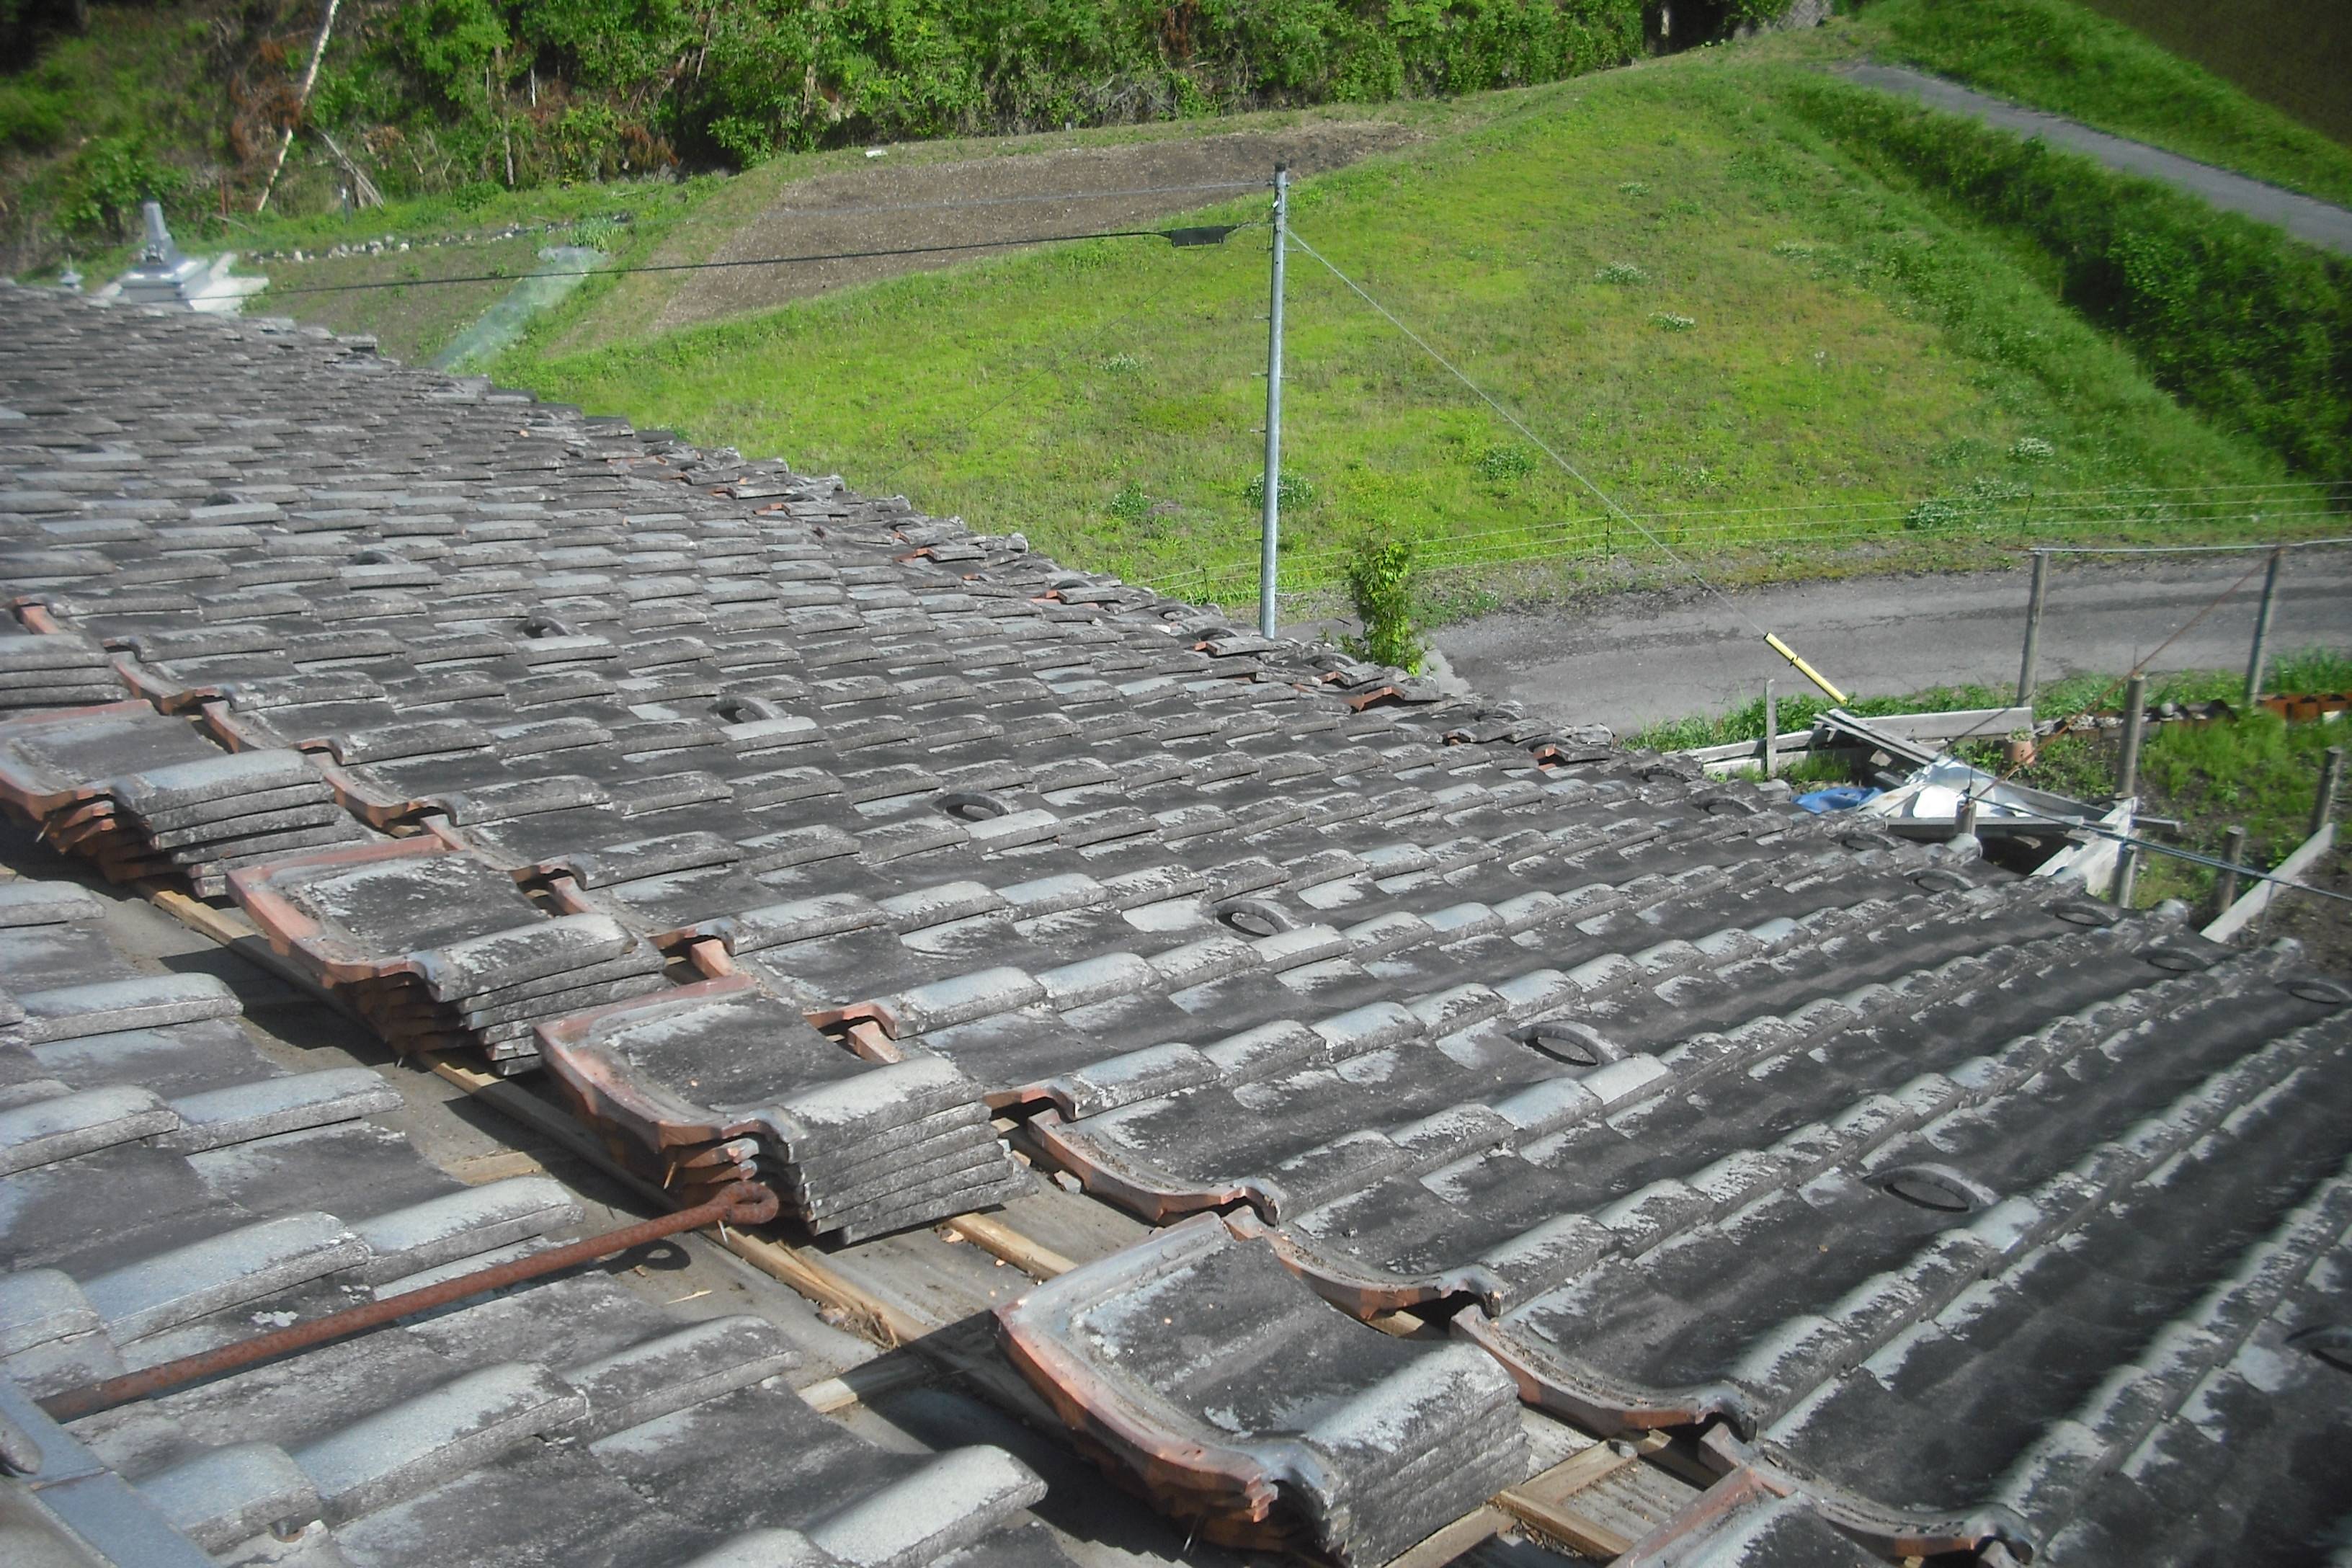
x=1379 y=587
x=1131 y=504
x=1295 y=491
x=1935 y=514
x=1506 y=463
x=2249 y=328
x=110 y=176
x=599 y=233
x=33 y=115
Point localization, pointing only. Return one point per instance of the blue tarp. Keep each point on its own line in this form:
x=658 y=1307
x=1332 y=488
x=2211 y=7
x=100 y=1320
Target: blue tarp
x=1843 y=798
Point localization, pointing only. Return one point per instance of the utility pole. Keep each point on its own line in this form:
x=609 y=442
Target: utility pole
x=1270 y=520
x=2262 y=629
x=2029 y=672
x=1772 y=732
x=2135 y=725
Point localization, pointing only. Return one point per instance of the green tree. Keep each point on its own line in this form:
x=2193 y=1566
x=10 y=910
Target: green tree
x=1380 y=588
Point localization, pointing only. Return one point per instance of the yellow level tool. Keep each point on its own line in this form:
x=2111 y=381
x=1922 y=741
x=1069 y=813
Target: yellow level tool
x=1807 y=671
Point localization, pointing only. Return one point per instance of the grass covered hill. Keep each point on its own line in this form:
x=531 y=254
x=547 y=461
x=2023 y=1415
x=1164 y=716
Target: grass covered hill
x=1698 y=279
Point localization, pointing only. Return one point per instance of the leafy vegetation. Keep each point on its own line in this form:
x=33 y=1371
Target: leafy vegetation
x=1379 y=589
x=432 y=96
x=2067 y=58
x=2260 y=773
x=2249 y=327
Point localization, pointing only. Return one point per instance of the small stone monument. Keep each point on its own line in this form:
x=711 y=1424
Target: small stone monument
x=161 y=275
x=158 y=274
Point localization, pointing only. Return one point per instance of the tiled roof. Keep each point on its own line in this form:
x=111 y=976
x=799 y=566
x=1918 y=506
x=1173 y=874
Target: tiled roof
x=166 y=1188
x=803 y=839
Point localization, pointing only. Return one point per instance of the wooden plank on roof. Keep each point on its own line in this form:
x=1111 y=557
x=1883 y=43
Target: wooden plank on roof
x=2239 y=915
x=993 y=1237
x=1445 y=1545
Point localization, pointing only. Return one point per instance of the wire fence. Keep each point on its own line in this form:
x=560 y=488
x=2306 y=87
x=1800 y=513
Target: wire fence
x=2141 y=516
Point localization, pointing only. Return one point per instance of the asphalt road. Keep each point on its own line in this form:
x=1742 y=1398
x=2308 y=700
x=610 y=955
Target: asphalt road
x=2315 y=222
x=1629 y=660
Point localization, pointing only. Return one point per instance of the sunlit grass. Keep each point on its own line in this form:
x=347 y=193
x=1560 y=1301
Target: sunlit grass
x=1846 y=345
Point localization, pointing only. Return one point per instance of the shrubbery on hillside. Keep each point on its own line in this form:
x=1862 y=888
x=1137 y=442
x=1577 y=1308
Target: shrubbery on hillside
x=437 y=94
x=2247 y=326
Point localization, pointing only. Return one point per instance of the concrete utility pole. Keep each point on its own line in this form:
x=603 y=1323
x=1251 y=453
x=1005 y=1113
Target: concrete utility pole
x=2029 y=672
x=1270 y=519
x=2331 y=779
x=2135 y=724
x=1772 y=732
x=2263 y=628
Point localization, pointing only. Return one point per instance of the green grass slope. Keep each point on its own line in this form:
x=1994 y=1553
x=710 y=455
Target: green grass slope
x=1684 y=287
x=2295 y=53
x=2071 y=60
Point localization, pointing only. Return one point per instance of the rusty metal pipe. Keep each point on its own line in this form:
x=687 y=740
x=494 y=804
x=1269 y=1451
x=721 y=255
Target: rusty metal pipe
x=742 y=1203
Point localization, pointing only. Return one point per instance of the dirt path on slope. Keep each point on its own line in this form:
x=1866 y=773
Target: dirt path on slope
x=2313 y=221
x=1101 y=187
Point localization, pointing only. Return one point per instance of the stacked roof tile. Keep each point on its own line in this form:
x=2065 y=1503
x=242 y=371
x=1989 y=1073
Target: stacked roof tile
x=145 y=795
x=439 y=950
x=167 y=1189
x=855 y=1149
x=54 y=671
x=808 y=840
x=1264 y=1418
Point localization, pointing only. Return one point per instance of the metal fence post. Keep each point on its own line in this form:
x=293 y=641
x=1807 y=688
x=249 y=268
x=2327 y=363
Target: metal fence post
x=2135 y=724
x=2225 y=881
x=2028 y=671
x=2262 y=629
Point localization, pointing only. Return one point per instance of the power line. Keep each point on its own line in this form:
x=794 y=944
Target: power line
x=2235 y=489
x=1771 y=641
x=1207 y=234
x=2216 y=862
x=1549 y=537
x=1016 y=201
x=1519 y=424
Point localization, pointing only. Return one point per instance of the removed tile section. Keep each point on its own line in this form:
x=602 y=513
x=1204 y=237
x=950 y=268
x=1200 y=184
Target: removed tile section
x=1196 y=1365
